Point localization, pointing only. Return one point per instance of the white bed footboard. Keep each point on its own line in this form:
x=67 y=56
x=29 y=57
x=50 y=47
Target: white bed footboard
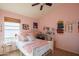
x=39 y=51
x=36 y=51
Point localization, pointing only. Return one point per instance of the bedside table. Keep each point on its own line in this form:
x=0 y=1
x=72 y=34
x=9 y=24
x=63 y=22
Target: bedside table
x=51 y=44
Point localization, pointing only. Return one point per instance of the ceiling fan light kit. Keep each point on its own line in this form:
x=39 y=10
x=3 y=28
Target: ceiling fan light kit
x=41 y=7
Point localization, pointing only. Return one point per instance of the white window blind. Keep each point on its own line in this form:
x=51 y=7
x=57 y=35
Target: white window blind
x=10 y=29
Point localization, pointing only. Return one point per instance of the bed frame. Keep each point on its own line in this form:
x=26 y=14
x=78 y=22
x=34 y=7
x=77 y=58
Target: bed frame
x=48 y=53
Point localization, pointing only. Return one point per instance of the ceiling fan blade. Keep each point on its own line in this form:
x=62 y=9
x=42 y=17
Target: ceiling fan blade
x=41 y=7
x=35 y=4
x=49 y=4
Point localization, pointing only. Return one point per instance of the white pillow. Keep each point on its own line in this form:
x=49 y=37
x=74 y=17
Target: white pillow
x=30 y=38
x=22 y=38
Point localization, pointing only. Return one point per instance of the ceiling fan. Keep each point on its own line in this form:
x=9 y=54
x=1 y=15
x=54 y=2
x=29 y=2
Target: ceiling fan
x=42 y=4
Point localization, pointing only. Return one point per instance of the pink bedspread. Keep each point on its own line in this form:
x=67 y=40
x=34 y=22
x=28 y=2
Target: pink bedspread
x=35 y=44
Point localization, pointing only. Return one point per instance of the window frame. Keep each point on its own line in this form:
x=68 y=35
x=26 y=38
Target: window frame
x=10 y=37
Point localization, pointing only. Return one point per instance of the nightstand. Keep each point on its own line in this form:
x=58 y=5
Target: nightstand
x=50 y=44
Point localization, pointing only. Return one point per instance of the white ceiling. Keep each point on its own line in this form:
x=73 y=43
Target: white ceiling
x=26 y=9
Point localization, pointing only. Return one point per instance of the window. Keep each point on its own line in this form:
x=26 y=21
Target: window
x=10 y=29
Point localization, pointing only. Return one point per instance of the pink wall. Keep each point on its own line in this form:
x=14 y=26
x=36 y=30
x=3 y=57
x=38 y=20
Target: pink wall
x=24 y=20
x=68 y=13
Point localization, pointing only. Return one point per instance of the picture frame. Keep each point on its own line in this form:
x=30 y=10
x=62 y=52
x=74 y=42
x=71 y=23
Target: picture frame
x=70 y=27
x=78 y=26
x=25 y=26
x=35 y=25
x=60 y=27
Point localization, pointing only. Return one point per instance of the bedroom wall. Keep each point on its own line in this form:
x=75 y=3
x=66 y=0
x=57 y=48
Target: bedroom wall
x=24 y=20
x=69 y=13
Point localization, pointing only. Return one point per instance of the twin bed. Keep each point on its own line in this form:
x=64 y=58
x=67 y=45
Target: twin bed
x=35 y=47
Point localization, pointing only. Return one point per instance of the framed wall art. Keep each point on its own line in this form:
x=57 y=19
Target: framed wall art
x=70 y=27
x=60 y=27
x=78 y=26
x=35 y=25
x=25 y=26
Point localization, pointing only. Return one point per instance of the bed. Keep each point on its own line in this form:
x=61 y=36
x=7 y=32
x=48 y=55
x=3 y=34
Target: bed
x=34 y=47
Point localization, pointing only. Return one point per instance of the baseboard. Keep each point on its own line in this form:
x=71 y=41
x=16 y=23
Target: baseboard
x=67 y=51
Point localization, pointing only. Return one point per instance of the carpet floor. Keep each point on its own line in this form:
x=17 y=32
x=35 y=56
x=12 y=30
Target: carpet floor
x=57 y=52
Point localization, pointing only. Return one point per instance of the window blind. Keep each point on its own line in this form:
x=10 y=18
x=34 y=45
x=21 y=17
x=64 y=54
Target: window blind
x=8 y=19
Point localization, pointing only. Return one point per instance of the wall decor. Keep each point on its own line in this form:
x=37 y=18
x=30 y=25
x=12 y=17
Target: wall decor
x=60 y=27
x=70 y=27
x=25 y=26
x=46 y=28
x=78 y=26
x=35 y=25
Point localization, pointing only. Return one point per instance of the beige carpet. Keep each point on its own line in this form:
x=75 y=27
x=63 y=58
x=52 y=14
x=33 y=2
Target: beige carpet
x=13 y=53
x=57 y=52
